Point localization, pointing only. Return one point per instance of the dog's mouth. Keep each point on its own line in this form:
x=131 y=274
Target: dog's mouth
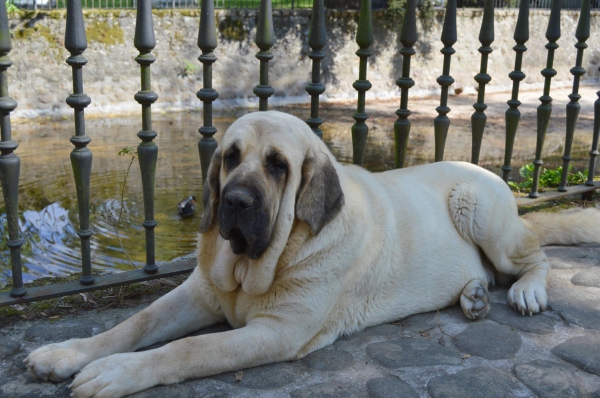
x=238 y=241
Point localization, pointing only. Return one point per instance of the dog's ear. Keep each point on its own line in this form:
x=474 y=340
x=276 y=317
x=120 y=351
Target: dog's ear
x=320 y=197
x=210 y=192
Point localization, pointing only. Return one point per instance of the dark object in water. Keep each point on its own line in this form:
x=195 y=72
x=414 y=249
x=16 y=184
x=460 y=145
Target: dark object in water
x=186 y=207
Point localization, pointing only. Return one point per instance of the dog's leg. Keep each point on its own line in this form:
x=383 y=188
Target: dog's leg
x=516 y=251
x=493 y=224
x=475 y=299
x=176 y=314
x=265 y=339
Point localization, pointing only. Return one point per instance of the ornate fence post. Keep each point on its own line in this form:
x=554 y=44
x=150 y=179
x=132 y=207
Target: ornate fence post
x=207 y=42
x=364 y=39
x=544 y=110
x=317 y=38
x=408 y=38
x=441 y=122
x=594 y=151
x=81 y=156
x=478 y=119
x=513 y=114
x=265 y=38
x=10 y=164
x=573 y=107
x=147 y=150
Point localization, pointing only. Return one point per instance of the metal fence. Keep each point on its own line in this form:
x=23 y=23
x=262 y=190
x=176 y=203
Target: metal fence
x=537 y=4
x=158 y=4
x=285 y=4
x=81 y=156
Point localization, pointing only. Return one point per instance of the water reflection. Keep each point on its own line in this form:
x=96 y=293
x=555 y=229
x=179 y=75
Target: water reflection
x=48 y=205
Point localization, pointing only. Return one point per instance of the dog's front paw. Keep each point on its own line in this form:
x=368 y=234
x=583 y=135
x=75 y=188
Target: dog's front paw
x=114 y=376
x=528 y=296
x=57 y=362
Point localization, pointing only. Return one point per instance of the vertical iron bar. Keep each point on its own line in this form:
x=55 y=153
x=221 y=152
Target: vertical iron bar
x=81 y=156
x=265 y=38
x=364 y=39
x=408 y=38
x=594 y=151
x=544 y=110
x=512 y=114
x=582 y=34
x=478 y=119
x=207 y=42
x=317 y=38
x=147 y=150
x=10 y=164
x=441 y=123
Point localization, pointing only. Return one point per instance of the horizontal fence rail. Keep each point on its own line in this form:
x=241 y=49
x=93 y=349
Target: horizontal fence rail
x=265 y=40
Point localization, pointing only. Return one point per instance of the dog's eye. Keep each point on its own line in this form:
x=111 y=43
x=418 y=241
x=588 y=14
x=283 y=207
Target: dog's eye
x=276 y=165
x=280 y=164
x=232 y=159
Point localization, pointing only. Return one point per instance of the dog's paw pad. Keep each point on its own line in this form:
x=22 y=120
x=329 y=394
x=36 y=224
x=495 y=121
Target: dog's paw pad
x=475 y=299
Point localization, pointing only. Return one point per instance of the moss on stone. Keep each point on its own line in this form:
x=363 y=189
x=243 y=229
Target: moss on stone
x=232 y=29
x=178 y=35
x=104 y=32
x=37 y=31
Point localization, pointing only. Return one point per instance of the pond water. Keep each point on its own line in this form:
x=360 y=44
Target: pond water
x=48 y=206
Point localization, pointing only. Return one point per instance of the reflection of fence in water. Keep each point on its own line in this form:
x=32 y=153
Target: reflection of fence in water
x=76 y=43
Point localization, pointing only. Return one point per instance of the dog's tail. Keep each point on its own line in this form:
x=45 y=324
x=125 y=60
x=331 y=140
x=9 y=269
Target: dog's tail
x=566 y=227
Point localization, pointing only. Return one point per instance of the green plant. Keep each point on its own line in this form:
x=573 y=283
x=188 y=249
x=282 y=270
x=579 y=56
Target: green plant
x=10 y=7
x=426 y=13
x=188 y=68
x=548 y=177
x=107 y=216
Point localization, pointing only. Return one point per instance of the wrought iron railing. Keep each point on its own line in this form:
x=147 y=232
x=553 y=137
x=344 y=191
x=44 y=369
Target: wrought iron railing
x=81 y=157
x=286 y=4
x=158 y=4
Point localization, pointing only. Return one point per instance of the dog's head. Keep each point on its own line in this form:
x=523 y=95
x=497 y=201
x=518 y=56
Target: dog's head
x=269 y=171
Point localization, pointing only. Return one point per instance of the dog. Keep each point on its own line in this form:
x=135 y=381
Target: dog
x=296 y=250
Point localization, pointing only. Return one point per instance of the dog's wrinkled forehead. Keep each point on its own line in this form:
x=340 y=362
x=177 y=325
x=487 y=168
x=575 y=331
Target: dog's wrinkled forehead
x=267 y=131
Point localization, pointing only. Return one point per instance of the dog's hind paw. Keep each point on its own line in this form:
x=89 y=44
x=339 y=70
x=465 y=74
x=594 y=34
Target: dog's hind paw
x=475 y=299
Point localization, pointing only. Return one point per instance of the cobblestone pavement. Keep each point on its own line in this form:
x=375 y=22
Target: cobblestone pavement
x=553 y=354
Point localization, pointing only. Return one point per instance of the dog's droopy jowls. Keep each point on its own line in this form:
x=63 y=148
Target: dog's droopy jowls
x=296 y=250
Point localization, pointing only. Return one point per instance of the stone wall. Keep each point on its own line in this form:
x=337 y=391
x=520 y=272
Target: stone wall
x=40 y=80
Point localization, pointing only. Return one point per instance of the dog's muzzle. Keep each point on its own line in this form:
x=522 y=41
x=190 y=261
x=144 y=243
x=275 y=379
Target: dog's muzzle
x=244 y=221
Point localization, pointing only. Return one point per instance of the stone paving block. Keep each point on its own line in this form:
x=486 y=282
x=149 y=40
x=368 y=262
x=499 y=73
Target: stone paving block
x=573 y=257
x=328 y=360
x=474 y=383
x=330 y=390
x=504 y=314
x=419 y=351
x=7 y=349
x=390 y=386
x=549 y=379
x=419 y=322
x=264 y=377
x=576 y=305
x=63 y=330
x=181 y=390
x=23 y=386
x=589 y=278
x=489 y=340
x=583 y=351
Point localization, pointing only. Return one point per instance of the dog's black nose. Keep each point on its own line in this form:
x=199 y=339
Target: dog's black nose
x=238 y=200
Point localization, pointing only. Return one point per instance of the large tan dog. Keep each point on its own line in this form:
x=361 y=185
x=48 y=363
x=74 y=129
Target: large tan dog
x=296 y=250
